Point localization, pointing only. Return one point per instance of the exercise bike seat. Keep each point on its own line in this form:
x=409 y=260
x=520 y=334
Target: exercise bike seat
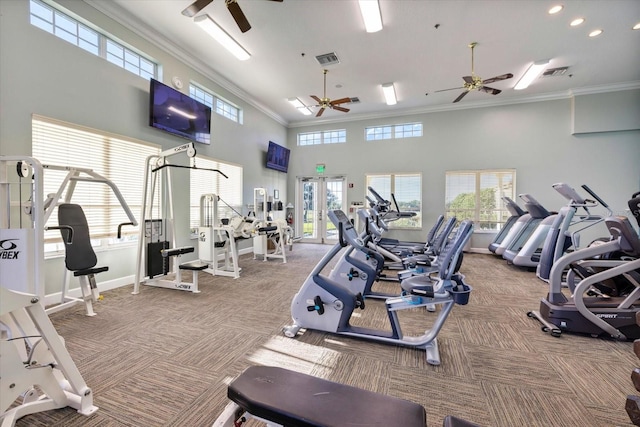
x=298 y=400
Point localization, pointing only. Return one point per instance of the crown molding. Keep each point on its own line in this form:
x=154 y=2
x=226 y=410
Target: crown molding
x=138 y=27
x=616 y=87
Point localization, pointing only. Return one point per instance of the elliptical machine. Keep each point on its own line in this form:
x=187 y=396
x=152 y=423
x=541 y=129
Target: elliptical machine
x=596 y=315
x=327 y=305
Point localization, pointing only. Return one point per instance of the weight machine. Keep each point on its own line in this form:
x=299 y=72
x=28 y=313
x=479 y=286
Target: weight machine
x=156 y=243
x=217 y=237
x=22 y=244
x=277 y=232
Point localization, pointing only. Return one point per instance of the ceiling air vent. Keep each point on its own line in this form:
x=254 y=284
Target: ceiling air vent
x=355 y=100
x=327 y=59
x=553 y=72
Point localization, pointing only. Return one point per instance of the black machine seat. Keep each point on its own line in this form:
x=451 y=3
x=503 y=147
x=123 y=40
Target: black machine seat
x=79 y=255
x=299 y=400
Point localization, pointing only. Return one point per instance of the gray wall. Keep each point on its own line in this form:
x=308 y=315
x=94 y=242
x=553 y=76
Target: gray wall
x=42 y=74
x=533 y=138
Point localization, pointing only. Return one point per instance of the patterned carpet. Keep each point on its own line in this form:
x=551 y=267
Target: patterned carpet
x=164 y=357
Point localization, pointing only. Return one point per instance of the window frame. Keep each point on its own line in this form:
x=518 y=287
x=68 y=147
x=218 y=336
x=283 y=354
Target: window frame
x=397 y=131
x=501 y=213
x=332 y=136
x=218 y=105
x=104 y=41
x=400 y=224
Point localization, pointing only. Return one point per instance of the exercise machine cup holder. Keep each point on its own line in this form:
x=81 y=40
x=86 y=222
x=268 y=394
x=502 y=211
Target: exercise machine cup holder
x=461 y=294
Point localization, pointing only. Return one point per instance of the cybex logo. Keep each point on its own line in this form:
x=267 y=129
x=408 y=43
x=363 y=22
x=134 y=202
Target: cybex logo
x=7 y=249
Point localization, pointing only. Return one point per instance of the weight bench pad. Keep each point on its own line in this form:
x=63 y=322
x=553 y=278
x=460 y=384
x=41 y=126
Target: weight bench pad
x=193 y=266
x=299 y=400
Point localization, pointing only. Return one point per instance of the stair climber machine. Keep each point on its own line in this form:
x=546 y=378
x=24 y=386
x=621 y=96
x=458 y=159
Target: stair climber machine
x=516 y=212
x=326 y=304
x=524 y=226
x=563 y=235
x=599 y=315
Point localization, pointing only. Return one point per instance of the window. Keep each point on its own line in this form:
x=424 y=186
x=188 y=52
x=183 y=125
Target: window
x=477 y=195
x=207 y=182
x=323 y=137
x=117 y=158
x=407 y=190
x=54 y=21
x=407 y=130
x=216 y=103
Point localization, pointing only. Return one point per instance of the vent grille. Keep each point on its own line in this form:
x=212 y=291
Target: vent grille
x=553 y=72
x=327 y=59
x=355 y=100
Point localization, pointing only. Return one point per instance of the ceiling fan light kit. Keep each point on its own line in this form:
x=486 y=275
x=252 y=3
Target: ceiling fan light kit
x=531 y=74
x=221 y=36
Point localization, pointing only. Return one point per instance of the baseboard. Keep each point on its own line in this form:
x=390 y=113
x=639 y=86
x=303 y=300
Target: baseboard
x=54 y=298
x=479 y=251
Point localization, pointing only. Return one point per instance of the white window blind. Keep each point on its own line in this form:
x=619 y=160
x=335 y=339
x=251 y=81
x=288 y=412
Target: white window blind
x=117 y=158
x=407 y=190
x=208 y=182
x=477 y=195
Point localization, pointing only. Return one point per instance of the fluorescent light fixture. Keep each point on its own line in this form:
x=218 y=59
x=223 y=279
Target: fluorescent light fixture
x=300 y=106
x=556 y=9
x=181 y=112
x=389 y=93
x=370 y=10
x=576 y=22
x=595 y=33
x=221 y=36
x=534 y=71
x=636 y=27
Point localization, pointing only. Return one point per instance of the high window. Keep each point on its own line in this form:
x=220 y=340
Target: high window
x=53 y=20
x=217 y=104
x=477 y=195
x=323 y=137
x=407 y=130
x=407 y=190
x=203 y=182
x=117 y=158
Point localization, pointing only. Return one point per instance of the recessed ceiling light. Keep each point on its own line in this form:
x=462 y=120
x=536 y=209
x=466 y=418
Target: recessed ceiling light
x=577 y=22
x=555 y=9
x=595 y=33
x=636 y=27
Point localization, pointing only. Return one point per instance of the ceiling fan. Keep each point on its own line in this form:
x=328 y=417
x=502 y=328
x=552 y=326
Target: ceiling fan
x=232 y=5
x=474 y=82
x=325 y=102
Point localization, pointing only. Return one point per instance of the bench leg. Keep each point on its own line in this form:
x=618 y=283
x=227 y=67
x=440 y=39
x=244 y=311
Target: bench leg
x=87 y=295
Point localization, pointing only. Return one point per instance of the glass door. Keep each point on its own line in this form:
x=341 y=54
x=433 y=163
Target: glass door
x=317 y=196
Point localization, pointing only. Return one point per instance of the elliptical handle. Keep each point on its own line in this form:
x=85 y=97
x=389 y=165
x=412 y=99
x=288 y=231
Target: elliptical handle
x=595 y=196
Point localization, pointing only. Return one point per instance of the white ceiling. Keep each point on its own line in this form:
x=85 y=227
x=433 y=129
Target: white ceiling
x=410 y=51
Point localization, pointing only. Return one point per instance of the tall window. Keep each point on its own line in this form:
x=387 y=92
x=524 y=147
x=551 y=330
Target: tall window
x=407 y=190
x=477 y=195
x=323 y=137
x=58 y=23
x=217 y=104
x=119 y=159
x=207 y=182
x=407 y=130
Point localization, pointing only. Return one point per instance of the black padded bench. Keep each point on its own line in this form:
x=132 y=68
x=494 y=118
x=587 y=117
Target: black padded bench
x=293 y=399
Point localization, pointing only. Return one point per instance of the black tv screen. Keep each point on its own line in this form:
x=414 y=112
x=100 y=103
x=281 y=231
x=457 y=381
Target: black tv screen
x=277 y=157
x=174 y=112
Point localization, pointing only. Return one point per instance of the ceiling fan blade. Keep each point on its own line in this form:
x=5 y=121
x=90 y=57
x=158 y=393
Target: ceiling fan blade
x=340 y=101
x=489 y=90
x=497 y=78
x=238 y=16
x=468 y=79
x=339 y=108
x=318 y=100
x=320 y=112
x=453 y=88
x=462 y=95
x=195 y=7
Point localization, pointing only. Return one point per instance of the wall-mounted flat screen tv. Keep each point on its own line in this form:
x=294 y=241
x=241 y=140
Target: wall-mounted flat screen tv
x=277 y=157
x=174 y=112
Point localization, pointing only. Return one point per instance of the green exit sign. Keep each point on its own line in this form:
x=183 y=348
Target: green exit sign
x=320 y=168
